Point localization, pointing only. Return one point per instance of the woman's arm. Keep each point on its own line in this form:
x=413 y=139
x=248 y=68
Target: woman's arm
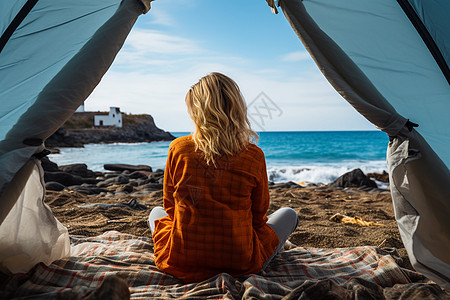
x=168 y=188
x=260 y=197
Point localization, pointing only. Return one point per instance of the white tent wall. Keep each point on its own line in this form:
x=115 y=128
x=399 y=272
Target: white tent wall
x=374 y=58
x=30 y=233
x=34 y=109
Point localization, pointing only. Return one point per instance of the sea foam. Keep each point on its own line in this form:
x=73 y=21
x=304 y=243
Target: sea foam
x=320 y=173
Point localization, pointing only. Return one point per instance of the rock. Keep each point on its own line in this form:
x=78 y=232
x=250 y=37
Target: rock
x=152 y=186
x=117 y=179
x=127 y=189
x=142 y=181
x=63 y=178
x=152 y=180
x=78 y=169
x=134 y=204
x=111 y=175
x=122 y=179
x=123 y=167
x=48 y=165
x=133 y=183
x=289 y=184
x=106 y=182
x=54 y=186
x=383 y=177
x=354 y=178
x=137 y=174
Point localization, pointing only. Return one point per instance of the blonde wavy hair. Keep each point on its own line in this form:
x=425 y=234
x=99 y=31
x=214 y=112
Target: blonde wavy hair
x=217 y=107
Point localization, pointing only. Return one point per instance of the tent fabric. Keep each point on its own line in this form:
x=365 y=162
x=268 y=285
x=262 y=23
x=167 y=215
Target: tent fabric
x=431 y=13
x=49 y=66
x=41 y=237
x=373 y=56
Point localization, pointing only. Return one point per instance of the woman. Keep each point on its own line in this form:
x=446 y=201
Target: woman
x=216 y=193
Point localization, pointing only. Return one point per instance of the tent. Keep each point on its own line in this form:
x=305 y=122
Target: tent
x=52 y=55
x=390 y=61
x=388 y=58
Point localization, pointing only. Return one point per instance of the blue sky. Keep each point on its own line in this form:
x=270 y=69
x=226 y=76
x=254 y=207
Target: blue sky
x=179 y=41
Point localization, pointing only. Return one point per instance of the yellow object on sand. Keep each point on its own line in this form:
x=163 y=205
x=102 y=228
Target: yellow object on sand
x=352 y=220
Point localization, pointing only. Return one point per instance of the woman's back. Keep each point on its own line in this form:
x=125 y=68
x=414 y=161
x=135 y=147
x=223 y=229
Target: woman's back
x=216 y=214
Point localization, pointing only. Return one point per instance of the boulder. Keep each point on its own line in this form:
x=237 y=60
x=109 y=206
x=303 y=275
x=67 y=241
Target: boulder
x=54 y=186
x=354 y=178
x=78 y=169
x=48 y=165
x=126 y=167
x=383 y=177
x=63 y=178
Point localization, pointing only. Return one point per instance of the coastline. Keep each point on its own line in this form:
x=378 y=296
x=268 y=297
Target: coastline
x=79 y=130
x=122 y=200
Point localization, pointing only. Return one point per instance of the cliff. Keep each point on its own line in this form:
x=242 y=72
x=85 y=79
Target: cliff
x=79 y=130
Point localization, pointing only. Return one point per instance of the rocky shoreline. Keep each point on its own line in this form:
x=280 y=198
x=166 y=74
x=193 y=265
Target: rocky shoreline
x=79 y=130
x=135 y=180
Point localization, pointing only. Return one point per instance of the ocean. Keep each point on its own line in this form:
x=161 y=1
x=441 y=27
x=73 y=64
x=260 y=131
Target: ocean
x=313 y=156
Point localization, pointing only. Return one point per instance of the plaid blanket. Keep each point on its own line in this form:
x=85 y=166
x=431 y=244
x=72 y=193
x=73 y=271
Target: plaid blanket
x=298 y=273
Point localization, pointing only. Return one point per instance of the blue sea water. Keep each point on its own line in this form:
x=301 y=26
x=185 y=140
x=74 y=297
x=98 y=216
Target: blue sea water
x=316 y=156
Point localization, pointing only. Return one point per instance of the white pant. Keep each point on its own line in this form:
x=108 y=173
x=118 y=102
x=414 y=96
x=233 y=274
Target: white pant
x=283 y=222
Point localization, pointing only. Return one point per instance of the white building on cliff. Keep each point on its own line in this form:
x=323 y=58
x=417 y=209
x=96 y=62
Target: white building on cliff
x=114 y=118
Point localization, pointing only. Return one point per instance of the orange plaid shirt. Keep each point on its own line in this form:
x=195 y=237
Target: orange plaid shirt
x=216 y=216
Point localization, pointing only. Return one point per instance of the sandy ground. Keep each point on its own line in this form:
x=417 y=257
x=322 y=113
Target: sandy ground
x=314 y=205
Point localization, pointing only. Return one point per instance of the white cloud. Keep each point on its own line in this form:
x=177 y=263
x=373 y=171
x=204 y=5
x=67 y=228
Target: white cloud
x=161 y=18
x=145 y=47
x=307 y=102
x=296 y=56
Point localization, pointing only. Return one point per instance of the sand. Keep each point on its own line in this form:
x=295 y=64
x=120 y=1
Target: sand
x=314 y=205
